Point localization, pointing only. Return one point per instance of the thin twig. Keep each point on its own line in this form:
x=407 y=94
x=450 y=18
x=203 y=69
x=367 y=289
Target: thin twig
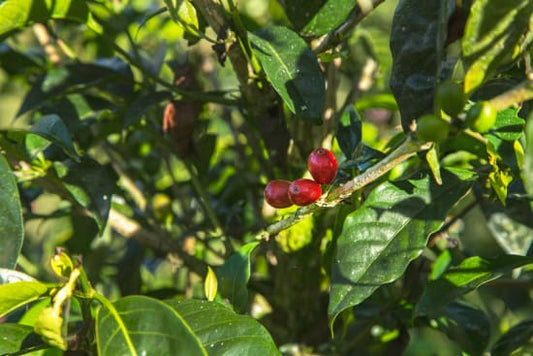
x=400 y=154
x=335 y=37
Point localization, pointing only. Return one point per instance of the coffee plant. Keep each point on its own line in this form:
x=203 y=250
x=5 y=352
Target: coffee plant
x=394 y=139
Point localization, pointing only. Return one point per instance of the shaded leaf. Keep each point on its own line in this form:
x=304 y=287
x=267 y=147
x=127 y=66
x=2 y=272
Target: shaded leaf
x=465 y=277
x=11 y=228
x=91 y=185
x=217 y=328
x=233 y=277
x=14 y=295
x=467 y=325
x=349 y=132
x=139 y=325
x=414 y=49
x=387 y=232
x=512 y=236
x=492 y=28
x=141 y=104
x=18 y=338
x=293 y=70
x=52 y=128
x=299 y=18
x=78 y=77
x=519 y=335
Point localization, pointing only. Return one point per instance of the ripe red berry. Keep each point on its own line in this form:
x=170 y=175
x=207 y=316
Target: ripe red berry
x=277 y=193
x=304 y=191
x=322 y=165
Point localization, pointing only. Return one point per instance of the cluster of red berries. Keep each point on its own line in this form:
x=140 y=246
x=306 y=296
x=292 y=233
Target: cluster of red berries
x=322 y=165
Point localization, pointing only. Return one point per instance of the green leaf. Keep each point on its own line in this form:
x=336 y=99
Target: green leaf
x=332 y=14
x=79 y=77
x=508 y=126
x=299 y=18
x=349 y=132
x=432 y=158
x=385 y=101
x=14 y=295
x=414 y=48
x=293 y=70
x=519 y=335
x=17 y=14
x=387 y=232
x=52 y=128
x=139 y=325
x=493 y=28
x=11 y=228
x=467 y=325
x=223 y=332
x=512 y=236
x=16 y=338
x=467 y=276
x=91 y=185
x=233 y=277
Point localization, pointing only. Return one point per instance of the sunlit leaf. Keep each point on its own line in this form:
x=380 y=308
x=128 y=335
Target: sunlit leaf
x=18 y=338
x=387 y=232
x=14 y=295
x=223 y=332
x=138 y=325
x=293 y=70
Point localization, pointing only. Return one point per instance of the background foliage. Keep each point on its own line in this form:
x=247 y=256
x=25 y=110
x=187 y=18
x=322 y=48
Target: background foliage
x=137 y=137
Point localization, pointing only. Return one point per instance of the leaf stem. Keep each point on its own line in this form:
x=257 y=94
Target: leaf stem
x=406 y=150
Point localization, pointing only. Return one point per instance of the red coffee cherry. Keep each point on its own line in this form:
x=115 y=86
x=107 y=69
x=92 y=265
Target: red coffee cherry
x=322 y=165
x=277 y=193
x=304 y=191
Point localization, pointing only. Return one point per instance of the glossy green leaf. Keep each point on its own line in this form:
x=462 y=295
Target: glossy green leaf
x=91 y=185
x=387 y=232
x=349 y=132
x=233 y=277
x=223 y=332
x=18 y=338
x=510 y=342
x=414 y=48
x=11 y=228
x=293 y=70
x=465 y=277
x=139 y=325
x=52 y=128
x=432 y=158
x=14 y=295
x=493 y=28
x=330 y=16
x=12 y=276
x=466 y=324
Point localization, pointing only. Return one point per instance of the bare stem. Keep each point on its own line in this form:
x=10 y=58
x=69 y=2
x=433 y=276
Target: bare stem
x=518 y=94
